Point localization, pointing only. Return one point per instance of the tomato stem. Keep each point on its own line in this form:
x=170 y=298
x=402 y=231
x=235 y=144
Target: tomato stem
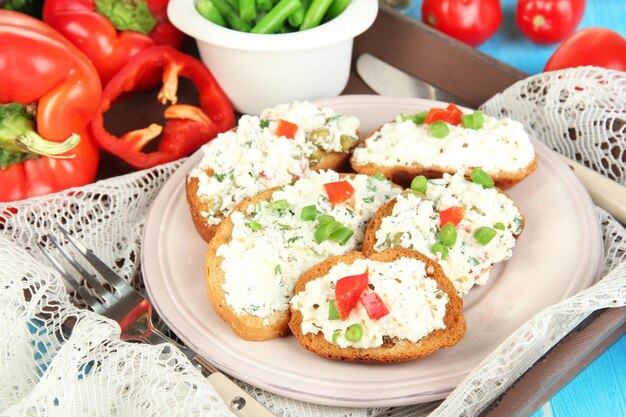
x=131 y=15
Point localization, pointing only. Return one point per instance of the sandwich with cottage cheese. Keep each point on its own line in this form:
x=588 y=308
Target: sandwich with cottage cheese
x=265 y=151
x=262 y=247
x=440 y=141
x=466 y=226
x=393 y=306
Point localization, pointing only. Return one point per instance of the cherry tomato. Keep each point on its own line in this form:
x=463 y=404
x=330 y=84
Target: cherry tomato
x=548 y=21
x=590 y=46
x=470 y=21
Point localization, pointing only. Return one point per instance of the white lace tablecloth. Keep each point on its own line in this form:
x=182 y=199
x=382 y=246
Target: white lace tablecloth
x=581 y=113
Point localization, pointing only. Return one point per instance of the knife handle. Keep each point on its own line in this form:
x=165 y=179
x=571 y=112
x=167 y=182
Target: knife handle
x=606 y=193
x=238 y=401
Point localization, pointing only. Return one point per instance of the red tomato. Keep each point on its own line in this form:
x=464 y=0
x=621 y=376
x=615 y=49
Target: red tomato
x=452 y=215
x=590 y=46
x=348 y=290
x=548 y=21
x=470 y=21
x=451 y=115
x=286 y=129
x=339 y=191
x=374 y=306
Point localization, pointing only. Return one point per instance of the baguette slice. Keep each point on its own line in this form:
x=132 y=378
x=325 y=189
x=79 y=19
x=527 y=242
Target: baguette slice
x=253 y=327
x=408 y=150
x=409 y=229
x=392 y=349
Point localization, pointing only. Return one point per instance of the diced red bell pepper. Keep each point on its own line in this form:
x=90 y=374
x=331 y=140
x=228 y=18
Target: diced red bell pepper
x=339 y=191
x=286 y=129
x=452 y=215
x=348 y=290
x=374 y=306
x=451 y=115
x=188 y=127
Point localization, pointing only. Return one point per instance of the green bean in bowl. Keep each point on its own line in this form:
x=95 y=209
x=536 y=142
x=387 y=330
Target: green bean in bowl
x=270 y=16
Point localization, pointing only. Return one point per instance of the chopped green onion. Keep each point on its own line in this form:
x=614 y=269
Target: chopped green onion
x=278 y=205
x=419 y=184
x=484 y=235
x=379 y=176
x=325 y=218
x=473 y=121
x=417 y=118
x=255 y=226
x=499 y=226
x=479 y=176
x=335 y=337
x=308 y=213
x=438 y=129
x=341 y=235
x=264 y=123
x=447 y=234
x=438 y=247
x=354 y=333
x=323 y=232
x=333 y=313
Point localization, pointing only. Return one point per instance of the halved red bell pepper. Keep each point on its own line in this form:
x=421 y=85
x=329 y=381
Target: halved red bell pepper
x=48 y=92
x=348 y=291
x=110 y=32
x=188 y=127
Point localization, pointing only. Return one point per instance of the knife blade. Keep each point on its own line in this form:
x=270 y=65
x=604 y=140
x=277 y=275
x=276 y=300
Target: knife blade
x=387 y=80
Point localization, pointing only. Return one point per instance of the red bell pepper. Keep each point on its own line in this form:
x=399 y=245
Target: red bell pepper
x=452 y=115
x=286 y=129
x=110 y=32
x=374 y=305
x=348 y=291
x=49 y=90
x=452 y=215
x=188 y=127
x=339 y=191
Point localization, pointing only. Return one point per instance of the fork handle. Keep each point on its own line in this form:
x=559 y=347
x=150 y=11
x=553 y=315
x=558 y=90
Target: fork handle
x=240 y=403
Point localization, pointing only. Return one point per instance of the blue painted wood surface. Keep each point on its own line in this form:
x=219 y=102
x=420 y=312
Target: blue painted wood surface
x=600 y=389
x=510 y=46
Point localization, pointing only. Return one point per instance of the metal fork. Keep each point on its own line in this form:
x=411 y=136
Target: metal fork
x=133 y=312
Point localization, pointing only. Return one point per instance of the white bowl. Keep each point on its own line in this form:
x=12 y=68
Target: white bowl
x=259 y=71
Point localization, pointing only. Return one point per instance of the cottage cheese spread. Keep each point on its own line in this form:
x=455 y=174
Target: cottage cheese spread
x=270 y=248
x=416 y=304
x=238 y=164
x=414 y=224
x=499 y=146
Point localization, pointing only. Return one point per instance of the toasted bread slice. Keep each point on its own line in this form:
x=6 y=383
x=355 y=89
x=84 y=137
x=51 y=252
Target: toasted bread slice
x=392 y=348
x=268 y=261
x=402 y=150
x=416 y=225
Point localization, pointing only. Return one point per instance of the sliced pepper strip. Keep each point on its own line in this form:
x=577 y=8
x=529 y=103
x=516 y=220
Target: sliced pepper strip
x=187 y=128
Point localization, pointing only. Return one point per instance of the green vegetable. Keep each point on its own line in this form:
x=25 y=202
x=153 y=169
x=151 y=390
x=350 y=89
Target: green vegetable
x=323 y=232
x=473 y=121
x=479 y=176
x=315 y=13
x=333 y=313
x=247 y=10
x=264 y=5
x=208 y=10
x=354 y=333
x=499 y=226
x=255 y=226
x=379 y=176
x=419 y=184
x=335 y=337
x=438 y=129
x=447 y=234
x=295 y=19
x=484 y=235
x=341 y=235
x=126 y=15
x=325 y=218
x=336 y=8
x=275 y=18
x=231 y=15
x=438 y=247
x=278 y=205
x=417 y=118
x=308 y=213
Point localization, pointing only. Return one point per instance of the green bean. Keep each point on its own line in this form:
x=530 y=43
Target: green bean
x=336 y=8
x=247 y=10
x=264 y=5
x=296 y=18
x=234 y=4
x=276 y=17
x=231 y=16
x=208 y=10
x=314 y=14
